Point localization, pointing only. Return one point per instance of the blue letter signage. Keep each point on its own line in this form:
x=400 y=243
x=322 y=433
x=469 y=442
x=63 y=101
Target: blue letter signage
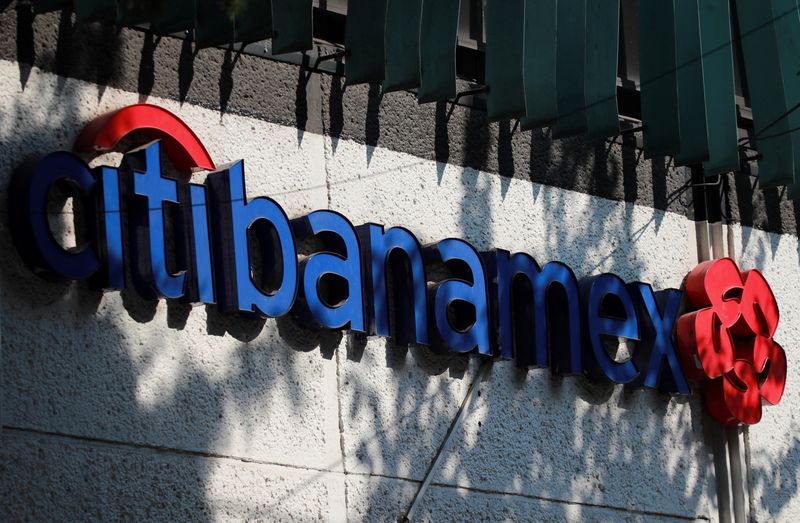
x=212 y=244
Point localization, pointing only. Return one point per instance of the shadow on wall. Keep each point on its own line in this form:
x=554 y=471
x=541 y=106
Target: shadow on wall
x=117 y=369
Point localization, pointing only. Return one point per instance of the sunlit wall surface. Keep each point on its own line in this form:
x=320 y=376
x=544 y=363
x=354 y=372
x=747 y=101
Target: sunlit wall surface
x=116 y=407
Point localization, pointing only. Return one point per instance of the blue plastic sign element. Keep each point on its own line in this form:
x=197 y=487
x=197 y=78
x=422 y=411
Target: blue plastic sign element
x=470 y=290
x=338 y=262
x=197 y=244
x=608 y=311
x=233 y=215
x=150 y=271
x=30 y=229
x=656 y=353
x=514 y=311
x=410 y=283
x=538 y=313
x=110 y=214
x=566 y=302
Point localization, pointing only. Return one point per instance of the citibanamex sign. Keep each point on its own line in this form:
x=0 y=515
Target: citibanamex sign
x=192 y=242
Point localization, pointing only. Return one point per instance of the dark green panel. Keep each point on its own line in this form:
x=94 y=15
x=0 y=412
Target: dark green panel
x=787 y=33
x=437 y=50
x=254 y=21
x=402 y=45
x=366 y=20
x=222 y=22
x=765 y=88
x=691 y=89
x=505 y=41
x=570 y=68
x=95 y=11
x=539 y=70
x=292 y=26
x=214 y=23
x=720 y=87
x=659 y=83
x=174 y=16
x=602 y=45
x=136 y=12
x=45 y=6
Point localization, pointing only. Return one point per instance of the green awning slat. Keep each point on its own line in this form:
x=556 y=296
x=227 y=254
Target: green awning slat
x=691 y=88
x=765 y=89
x=401 y=42
x=787 y=33
x=505 y=40
x=45 y=6
x=292 y=26
x=539 y=70
x=602 y=52
x=364 y=41
x=438 y=33
x=659 y=85
x=135 y=12
x=214 y=24
x=570 y=68
x=87 y=11
x=251 y=22
x=720 y=87
x=254 y=21
x=174 y=16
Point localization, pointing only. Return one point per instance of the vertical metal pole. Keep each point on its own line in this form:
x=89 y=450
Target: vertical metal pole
x=738 y=474
x=708 y=229
x=731 y=435
x=700 y=215
x=735 y=435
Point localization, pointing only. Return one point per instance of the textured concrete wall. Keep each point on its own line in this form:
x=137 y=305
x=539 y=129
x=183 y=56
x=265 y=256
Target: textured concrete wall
x=774 y=444
x=114 y=407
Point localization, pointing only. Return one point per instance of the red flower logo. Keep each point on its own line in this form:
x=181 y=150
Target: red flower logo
x=725 y=343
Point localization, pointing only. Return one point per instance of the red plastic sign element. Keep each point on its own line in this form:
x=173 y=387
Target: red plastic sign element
x=725 y=343
x=182 y=146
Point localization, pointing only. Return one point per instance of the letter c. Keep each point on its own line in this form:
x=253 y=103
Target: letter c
x=30 y=230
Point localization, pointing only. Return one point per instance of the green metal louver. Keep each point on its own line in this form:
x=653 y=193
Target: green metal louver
x=250 y=22
x=174 y=16
x=87 y=11
x=720 y=87
x=254 y=21
x=602 y=52
x=214 y=24
x=437 y=47
x=505 y=40
x=539 y=70
x=547 y=62
x=570 y=68
x=787 y=33
x=364 y=41
x=136 y=12
x=659 y=86
x=45 y=6
x=401 y=43
x=765 y=87
x=292 y=26
x=691 y=87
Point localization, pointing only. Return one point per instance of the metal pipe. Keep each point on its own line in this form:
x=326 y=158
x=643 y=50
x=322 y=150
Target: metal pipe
x=708 y=228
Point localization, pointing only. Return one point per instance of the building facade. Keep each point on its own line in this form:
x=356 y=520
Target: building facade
x=115 y=406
